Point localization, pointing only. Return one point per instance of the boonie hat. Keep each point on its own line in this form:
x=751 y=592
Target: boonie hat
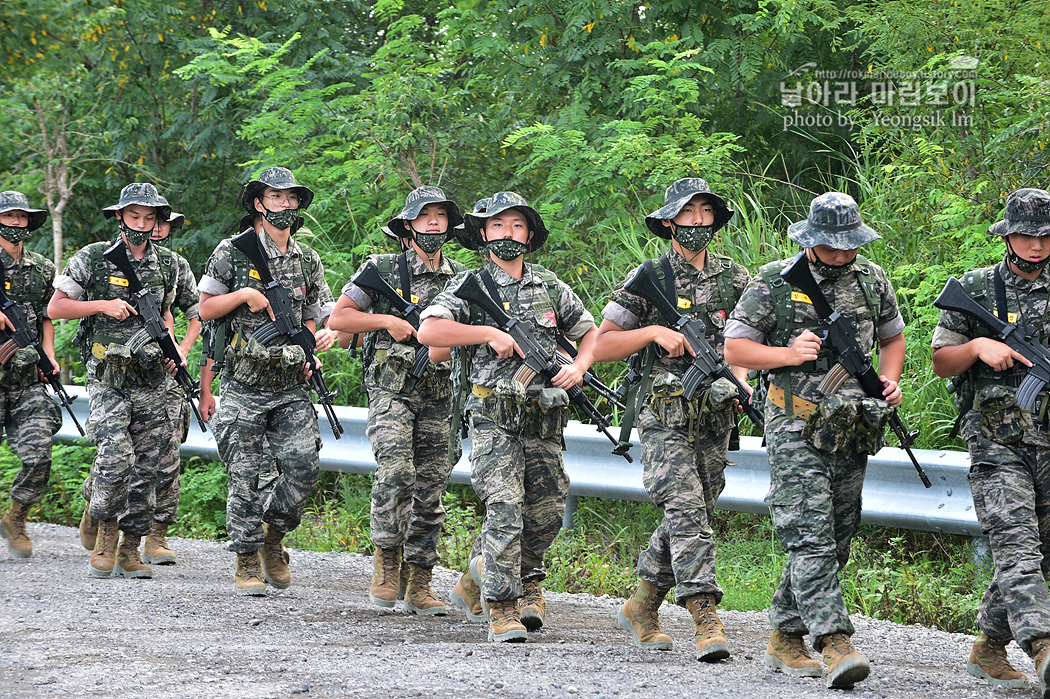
x=677 y=196
x=497 y=204
x=834 y=220
x=141 y=194
x=414 y=203
x=278 y=178
x=1027 y=212
x=16 y=201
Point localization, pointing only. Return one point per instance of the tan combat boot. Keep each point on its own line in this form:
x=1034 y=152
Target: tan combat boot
x=275 y=559
x=13 y=528
x=156 y=550
x=249 y=575
x=104 y=555
x=989 y=662
x=640 y=616
x=129 y=565
x=467 y=596
x=88 y=529
x=385 y=577
x=532 y=605
x=710 y=634
x=419 y=596
x=504 y=624
x=787 y=652
x=404 y=573
x=1041 y=657
x=846 y=665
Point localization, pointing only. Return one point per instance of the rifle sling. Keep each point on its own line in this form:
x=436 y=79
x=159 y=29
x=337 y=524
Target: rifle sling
x=406 y=281
x=1000 y=295
x=635 y=395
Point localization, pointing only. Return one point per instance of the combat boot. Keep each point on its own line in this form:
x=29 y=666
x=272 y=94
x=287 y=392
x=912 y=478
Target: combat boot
x=129 y=565
x=846 y=665
x=419 y=595
x=275 y=559
x=710 y=634
x=385 y=577
x=403 y=575
x=504 y=623
x=989 y=662
x=156 y=550
x=249 y=575
x=104 y=555
x=640 y=616
x=88 y=529
x=13 y=528
x=787 y=652
x=1041 y=657
x=467 y=596
x=532 y=605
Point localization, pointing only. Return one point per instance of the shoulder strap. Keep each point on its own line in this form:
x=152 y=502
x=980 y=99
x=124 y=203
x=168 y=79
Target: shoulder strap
x=405 y=279
x=633 y=401
x=1000 y=294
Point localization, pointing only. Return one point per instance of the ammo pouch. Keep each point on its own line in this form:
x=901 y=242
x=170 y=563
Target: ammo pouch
x=20 y=370
x=436 y=383
x=120 y=368
x=870 y=431
x=668 y=403
x=505 y=404
x=390 y=367
x=546 y=415
x=276 y=369
x=717 y=412
x=831 y=426
x=1002 y=420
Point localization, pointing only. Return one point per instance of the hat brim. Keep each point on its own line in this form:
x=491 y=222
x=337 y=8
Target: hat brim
x=471 y=237
x=1036 y=229
x=163 y=212
x=808 y=236
x=252 y=190
x=398 y=224
x=176 y=220
x=654 y=221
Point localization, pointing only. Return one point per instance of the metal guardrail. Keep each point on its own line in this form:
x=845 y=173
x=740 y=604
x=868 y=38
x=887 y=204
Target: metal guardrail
x=893 y=495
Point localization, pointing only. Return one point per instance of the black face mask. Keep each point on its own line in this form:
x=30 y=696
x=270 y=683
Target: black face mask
x=14 y=234
x=1026 y=266
x=832 y=271
x=135 y=237
x=429 y=242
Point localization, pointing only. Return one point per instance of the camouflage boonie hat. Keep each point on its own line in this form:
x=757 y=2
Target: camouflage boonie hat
x=677 y=196
x=480 y=207
x=414 y=203
x=176 y=220
x=1027 y=212
x=834 y=220
x=16 y=201
x=499 y=202
x=278 y=178
x=140 y=194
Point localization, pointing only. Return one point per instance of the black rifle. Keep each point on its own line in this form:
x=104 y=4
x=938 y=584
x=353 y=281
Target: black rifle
x=369 y=278
x=284 y=323
x=839 y=333
x=706 y=361
x=148 y=306
x=23 y=337
x=954 y=298
x=537 y=360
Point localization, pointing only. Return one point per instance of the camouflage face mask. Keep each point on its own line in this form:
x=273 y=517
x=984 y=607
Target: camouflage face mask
x=1026 y=266
x=832 y=271
x=506 y=249
x=430 y=242
x=135 y=237
x=14 y=234
x=283 y=219
x=693 y=238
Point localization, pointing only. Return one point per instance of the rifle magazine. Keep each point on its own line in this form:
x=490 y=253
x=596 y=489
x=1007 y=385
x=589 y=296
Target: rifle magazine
x=834 y=379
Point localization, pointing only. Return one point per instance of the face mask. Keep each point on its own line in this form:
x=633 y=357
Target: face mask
x=135 y=237
x=832 y=271
x=506 y=249
x=1026 y=266
x=693 y=238
x=13 y=234
x=430 y=242
x=283 y=219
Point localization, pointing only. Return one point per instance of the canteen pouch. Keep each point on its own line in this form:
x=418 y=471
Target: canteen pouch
x=831 y=426
x=392 y=372
x=870 y=429
x=1002 y=420
x=148 y=369
x=115 y=367
x=505 y=406
x=717 y=412
x=20 y=370
x=668 y=402
x=547 y=414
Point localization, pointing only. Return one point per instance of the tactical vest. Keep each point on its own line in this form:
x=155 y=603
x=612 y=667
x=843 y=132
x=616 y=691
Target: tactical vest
x=36 y=291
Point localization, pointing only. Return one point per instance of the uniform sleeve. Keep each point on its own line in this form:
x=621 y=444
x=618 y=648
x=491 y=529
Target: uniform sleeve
x=626 y=309
x=574 y=320
x=890 y=322
x=316 y=296
x=754 y=316
x=355 y=293
x=47 y=268
x=952 y=329
x=447 y=305
x=77 y=275
x=218 y=273
x=186 y=295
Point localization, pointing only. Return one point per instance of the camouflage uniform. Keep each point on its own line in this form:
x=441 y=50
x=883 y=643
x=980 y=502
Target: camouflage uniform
x=516 y=463
x=1009 y=455
x=29 y=416
x=130 y=414
x=817 y=465
x=265 y=400
x=409 y=430
x=683 y=458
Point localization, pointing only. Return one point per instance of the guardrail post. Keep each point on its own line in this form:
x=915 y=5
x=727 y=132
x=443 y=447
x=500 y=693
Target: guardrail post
x=572 y=503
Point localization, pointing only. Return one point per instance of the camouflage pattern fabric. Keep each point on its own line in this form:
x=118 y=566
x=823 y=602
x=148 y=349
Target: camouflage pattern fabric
x=248 y=421
x=1027 y=212
x=186 y=295
x=676 y=196
x=30 y=417
x=815 y=493
x=169 y=465
x=28 y=285
x=130 y=426
x=834 y=220
x=522 y=481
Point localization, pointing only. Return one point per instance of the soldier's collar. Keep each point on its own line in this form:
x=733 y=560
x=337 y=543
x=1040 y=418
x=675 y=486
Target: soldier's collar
x=1016 y=280
x=680 y=264
x=418 y=265
x=24 y=262
x=272 y=251
x=504 y=278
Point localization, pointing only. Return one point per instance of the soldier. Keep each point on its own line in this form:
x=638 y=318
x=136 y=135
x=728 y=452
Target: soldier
x=265 y=411
x=27 y=413
x=1010 y=462
x=131 y=412
x=408 y=420
x=684 y=459
x=818 y=445
x=516 y=462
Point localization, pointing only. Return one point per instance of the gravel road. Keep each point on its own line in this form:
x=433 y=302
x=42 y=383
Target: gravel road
x=184 y=634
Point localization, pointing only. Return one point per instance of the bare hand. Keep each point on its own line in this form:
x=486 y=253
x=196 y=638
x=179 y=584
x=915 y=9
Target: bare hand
x=399 y=328
x=325 y=339
x=997 y=355
x=5 y=323
x=672 y=341
x=257 y=301
x=119 y=309
x=308 y=370
x=891 y=392
x=804 y=349
x=570 y=375
x=207 y=406
x=504 y=345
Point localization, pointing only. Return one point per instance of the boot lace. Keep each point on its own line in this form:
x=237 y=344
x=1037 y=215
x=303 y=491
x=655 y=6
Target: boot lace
x=421 y=589
x=389 y=561
x=157 y=540
x=838 y=644
x=533 y=594
x=705 y=616
x=504 y=611
x=794 y=644
x=252 y=567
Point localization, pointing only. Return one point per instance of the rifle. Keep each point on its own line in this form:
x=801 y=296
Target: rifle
x=370 y=279
x=840 y=334
x=537 y=360
x=706 y=361
x=284 y=322
x=22 y=337
x=590 y=379
x=148 y=306
x=954 y=298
